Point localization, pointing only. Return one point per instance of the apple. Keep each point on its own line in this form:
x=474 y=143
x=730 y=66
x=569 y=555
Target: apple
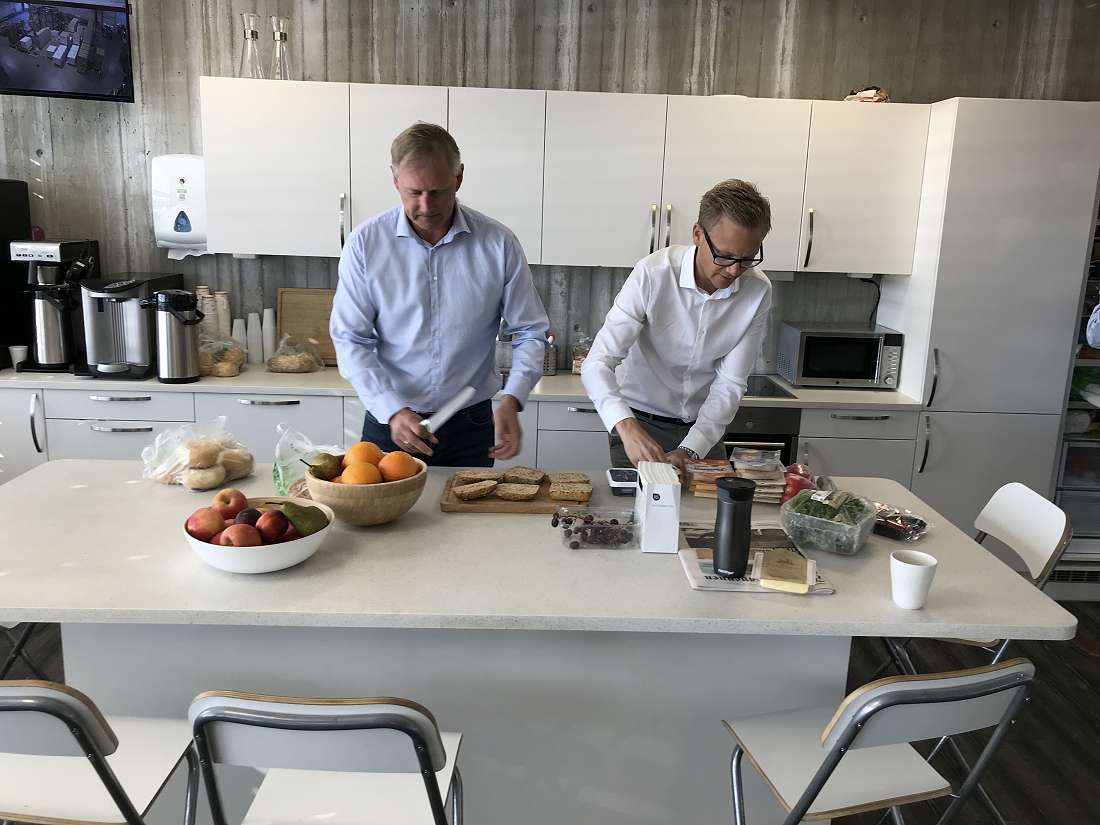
x=217 y=539
x=272 y=525
x=229 y=502
x=241 y=535
x=229 y=522
x=249 y=515
x=204 y=523
x=291 y=534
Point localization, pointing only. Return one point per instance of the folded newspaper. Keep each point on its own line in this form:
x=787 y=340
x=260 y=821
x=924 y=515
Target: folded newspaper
x=697 y=559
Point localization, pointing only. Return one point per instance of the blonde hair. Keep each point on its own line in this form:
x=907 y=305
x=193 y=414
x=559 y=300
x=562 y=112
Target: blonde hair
x=738 y=200
x=423 y=140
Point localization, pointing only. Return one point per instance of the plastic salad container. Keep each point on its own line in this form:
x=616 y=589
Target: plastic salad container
x=844 y=537
x=592 y=528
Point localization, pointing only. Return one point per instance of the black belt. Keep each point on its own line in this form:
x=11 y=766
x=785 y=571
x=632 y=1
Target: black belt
x=661 y=419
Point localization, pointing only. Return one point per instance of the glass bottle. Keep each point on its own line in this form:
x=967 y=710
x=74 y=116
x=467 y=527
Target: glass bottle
x=280 y=55
x=250 y=49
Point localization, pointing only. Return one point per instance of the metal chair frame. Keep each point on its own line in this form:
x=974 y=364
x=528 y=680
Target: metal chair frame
x=855 y=725
x=98 y=760
x=18 y=651
x=301 y=722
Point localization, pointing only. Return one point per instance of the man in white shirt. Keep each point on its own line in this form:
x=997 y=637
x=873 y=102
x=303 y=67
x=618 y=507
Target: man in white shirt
x=669 y=367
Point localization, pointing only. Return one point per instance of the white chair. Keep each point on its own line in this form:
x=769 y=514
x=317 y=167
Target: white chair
x=62 y=761
x=1039 y=532
x=357 y=760
x=18 y=649
x=829 y=762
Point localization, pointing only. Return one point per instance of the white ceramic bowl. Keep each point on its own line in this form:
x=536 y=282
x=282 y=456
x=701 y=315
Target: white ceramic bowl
x=269 y=557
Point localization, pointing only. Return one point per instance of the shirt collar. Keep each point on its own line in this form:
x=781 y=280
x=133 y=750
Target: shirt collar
x=459 y=225
x=687 y=278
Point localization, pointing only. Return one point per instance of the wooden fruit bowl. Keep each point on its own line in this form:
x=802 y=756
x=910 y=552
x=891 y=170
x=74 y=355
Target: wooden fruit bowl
x=368 y=504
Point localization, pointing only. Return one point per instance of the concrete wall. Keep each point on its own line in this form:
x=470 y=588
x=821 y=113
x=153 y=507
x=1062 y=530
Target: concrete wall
x=88 y=162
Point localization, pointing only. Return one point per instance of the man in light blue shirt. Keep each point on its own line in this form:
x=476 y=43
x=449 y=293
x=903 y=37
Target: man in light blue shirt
x=423 y=290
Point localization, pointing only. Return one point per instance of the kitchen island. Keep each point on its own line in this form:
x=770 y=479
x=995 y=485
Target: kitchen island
x=589 y=685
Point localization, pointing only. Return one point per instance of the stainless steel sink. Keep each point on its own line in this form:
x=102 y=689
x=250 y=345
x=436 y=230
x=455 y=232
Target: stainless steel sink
x=764 y=386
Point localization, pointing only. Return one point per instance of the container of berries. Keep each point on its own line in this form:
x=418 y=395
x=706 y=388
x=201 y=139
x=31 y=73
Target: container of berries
x=596 y=528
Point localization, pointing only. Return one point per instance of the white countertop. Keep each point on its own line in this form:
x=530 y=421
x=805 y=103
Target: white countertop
x=563 y=387
x=90 y=541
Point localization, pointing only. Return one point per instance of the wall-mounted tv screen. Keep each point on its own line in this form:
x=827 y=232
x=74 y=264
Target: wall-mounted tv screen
x=66 y=49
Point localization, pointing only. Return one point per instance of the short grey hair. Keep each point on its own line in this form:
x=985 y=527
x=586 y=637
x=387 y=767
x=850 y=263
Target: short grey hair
x=738 y=200
x=422 y=140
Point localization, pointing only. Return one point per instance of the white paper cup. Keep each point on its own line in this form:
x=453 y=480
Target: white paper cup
x=911 y=574
x=18 y=354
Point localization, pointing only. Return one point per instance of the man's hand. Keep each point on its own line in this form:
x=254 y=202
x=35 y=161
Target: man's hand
x=639 y=444
x=408 y=435
x=678 y=459
x=509 y=434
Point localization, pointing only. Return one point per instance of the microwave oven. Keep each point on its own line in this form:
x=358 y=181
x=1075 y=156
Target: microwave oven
x=839 y=355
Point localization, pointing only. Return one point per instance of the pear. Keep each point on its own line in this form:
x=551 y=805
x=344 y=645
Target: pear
x=325 y=466
x=306 y=520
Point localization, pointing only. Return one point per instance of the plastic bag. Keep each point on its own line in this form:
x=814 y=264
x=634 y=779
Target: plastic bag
x=296 y=354
x=201 y=456
x=288 y=472
x=580 y=351
x=220 y=357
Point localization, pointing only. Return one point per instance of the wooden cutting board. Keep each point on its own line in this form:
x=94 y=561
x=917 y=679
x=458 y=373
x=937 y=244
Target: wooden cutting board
x=541 y=504
x=306 y=312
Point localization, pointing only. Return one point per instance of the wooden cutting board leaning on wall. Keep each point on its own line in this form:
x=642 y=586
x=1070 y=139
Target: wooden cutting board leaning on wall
x=305 y=312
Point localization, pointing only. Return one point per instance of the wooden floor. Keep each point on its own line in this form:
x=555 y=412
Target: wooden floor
x=1046 y=773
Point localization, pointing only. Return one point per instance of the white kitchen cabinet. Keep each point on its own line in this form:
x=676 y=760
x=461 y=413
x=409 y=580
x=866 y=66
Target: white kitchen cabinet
x=22 y=432
x=864 y=171
x=570 y=415
x=860 y=423
x=602 y=182
x=501 y=134
x=252 y=418
x=874 y=457
x=587 y=452
x=118 y=439
x=971 y=455
x=353 y=421
x=710 y=139
x=277 y=166
x=379 y=113
x=121 y=405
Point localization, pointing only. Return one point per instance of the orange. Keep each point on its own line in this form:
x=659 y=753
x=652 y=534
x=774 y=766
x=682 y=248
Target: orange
x=360 y=474
x=397 y=465
x=365 y=452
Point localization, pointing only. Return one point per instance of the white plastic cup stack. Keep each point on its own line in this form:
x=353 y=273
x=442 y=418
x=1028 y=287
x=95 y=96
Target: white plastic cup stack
x=255 y=339
x=225 y=316
x=270 y=335
x=239 y=333
x=911 y=574
x=19 y=353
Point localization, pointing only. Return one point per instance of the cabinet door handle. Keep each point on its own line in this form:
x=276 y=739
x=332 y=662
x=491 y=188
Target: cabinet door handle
x=581 y=410
x=927 y=443
x=837 y=417
x=810 y=241
x=935 y=374
x=97 y=429
x=774 y=444
x=251 y=402
x=668 y=224
x=652 y=227
x=343 y=198
x=120 y=397
x=34 y=423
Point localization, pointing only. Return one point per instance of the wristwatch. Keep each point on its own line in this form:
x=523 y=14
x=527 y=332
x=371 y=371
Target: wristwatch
x=694 y=456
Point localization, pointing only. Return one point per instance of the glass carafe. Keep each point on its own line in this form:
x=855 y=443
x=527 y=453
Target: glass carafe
x=280 y=55
x=250 y=48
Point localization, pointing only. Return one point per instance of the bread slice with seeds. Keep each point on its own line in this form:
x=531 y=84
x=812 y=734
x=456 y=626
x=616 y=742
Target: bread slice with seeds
x=517 y=492
x=523 y=475
x=479 y=489
x=569 y=478
x=470 y=476
x=578 y=493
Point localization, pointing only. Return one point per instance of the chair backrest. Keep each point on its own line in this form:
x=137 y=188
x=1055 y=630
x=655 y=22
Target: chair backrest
x=360 y=735
x=913 y=708
x=38 y=718
x=1034 y=527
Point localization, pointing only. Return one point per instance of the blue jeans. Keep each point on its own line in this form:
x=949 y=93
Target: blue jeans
x=464 y=441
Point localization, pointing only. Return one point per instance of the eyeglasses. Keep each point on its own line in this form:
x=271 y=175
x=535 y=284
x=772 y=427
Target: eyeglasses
x=725 y=260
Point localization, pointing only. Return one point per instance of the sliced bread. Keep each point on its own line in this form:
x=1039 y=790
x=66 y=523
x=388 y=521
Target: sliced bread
x=470 y=476
x=579 y=493
x=479 y=489
x=523 y=475
x=517 y=492
x=569 y=478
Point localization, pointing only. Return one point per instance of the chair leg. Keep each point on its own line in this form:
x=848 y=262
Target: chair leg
x=895 y=816
x=987 y=800
x=18 y=652
x=456 y=798
x=907 y=666
x=736 y=789
x=191 y=800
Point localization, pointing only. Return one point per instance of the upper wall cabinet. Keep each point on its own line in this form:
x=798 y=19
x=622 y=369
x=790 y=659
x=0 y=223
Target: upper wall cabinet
x=379 y=113
x=602 y=185
x=709 y=139
x=500 y=134
x=277 y=163
x=863 y=184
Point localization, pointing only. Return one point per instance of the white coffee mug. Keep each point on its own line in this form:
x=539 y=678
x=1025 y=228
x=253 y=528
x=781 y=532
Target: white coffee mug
x=911 y=574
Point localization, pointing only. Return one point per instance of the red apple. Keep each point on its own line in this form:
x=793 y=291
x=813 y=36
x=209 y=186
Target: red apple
x=229 y=502
x=241 y=535
x=272 y=525
x=204 y=523
x=217 y=539
x=291 y=534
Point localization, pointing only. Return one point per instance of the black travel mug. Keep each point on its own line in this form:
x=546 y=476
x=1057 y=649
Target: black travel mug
x=733 y=526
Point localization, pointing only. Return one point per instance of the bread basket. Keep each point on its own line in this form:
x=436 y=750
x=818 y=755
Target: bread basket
x=369 y=504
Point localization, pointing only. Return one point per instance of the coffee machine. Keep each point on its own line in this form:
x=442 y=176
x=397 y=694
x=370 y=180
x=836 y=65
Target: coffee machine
x=118 y=325
x=55 y=270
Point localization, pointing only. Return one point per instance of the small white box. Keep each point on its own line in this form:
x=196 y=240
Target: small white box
x=657 y=507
